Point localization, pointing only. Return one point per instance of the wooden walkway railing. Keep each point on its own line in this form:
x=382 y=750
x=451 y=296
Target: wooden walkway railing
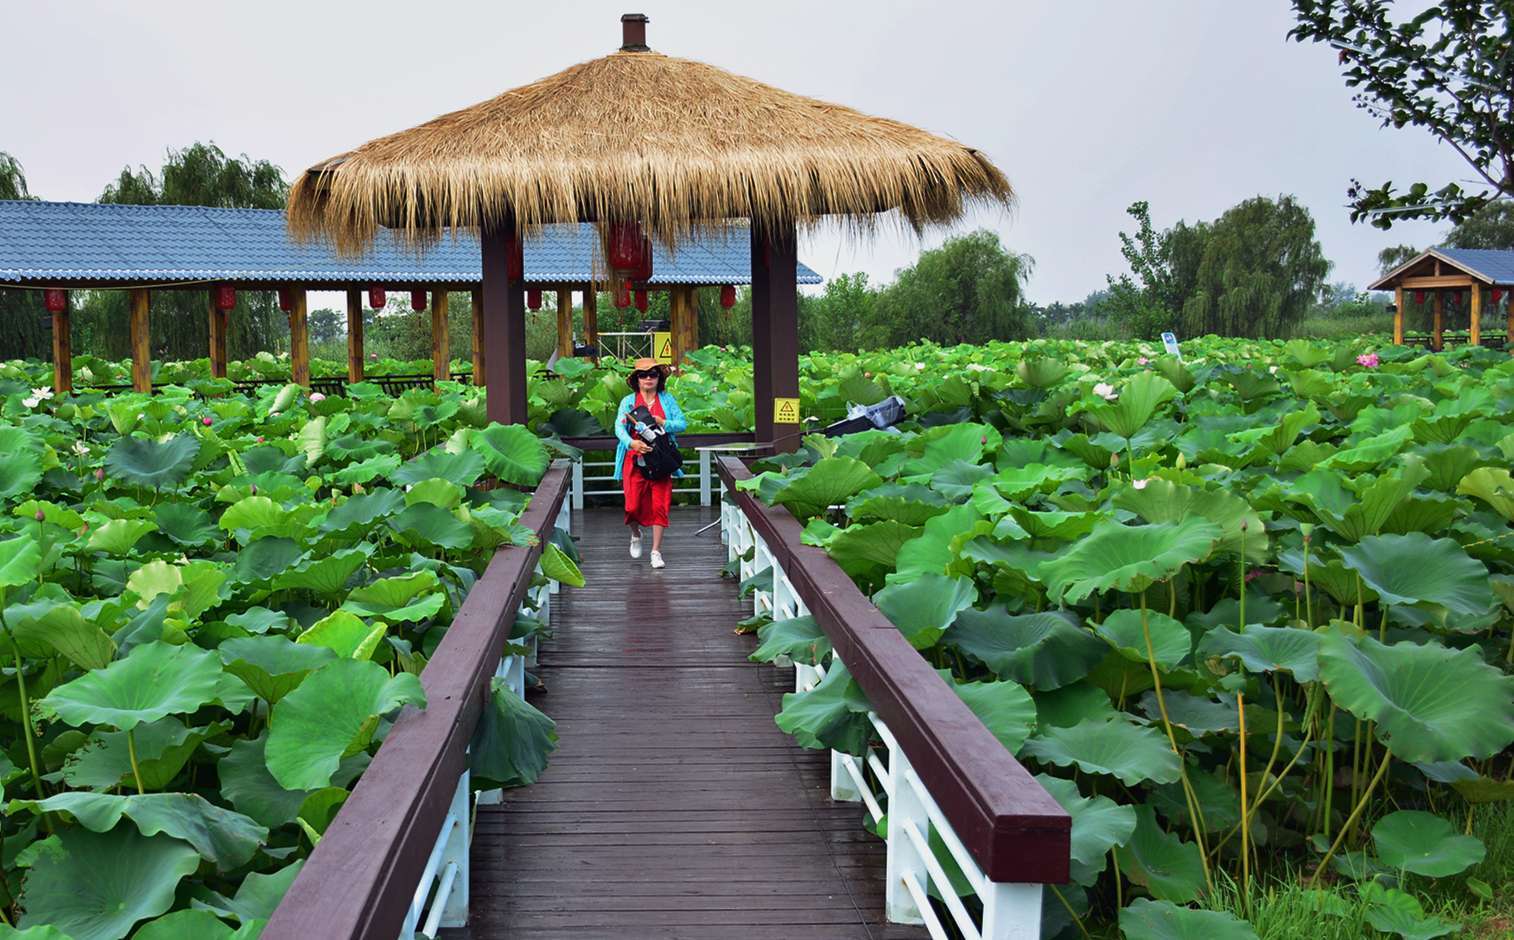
x=361 y=879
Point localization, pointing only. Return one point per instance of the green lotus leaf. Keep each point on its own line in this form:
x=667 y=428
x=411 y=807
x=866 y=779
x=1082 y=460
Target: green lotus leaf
x=143 y=462
x=193 y=588
x=907 y=503
x=20 y=558
x=255 y=517
x=462 y=468
x=320 y=808
x=1424 y=844
x=831 y=481
x=1041 y=372
x=366 y=471
x=1044 y=651
x=186 y=524
x=255 y=899
x=832 y=715
x=1264 y=649
x=1398 y=912
x=265 y=559
x=1430 y=703
x=1161 y=500
x=924 y=608
x=1162 y=863
x=870 y=548
x=1436 y=574
x=1145 y=919
x=932 y=551
x=1059 y=525
x=403 y=598
x=798 y=638
x=1115 y=746
x=333 y=713
x=1073 y=704
x=363 y=511
x=153 y=681
x=1098 y=824
x=59 y=627
x=1492 y=485
x=20 y=462
x=424 y=525
x=1005 y=708
x=556 y=565
x=201 y=925
x=1020 y=483
x=117 y=536
x=1170 y=640
x=326 y=575
x=221 y=836
x=443 y=494
x=163 y=748
x=512 y=741
x=1139 y=399
x=345 y=634
x=247 y=784
x=272 y=666
x=98 y=885
x=512 y=453
x=259 y=620
x=1128 y=558
x=287 y=395
x=1370 y=453
x=1195 y=714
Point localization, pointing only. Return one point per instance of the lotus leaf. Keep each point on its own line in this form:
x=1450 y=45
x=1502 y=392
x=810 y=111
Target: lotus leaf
x=924 y=608
x=831 y=481
x=1164 y=864
x=798 y=638
x=1165 y=501
x=345 y=634
x=424 y=524
x=1264 y=649
x=1170 y=640
x=1398 y=912
x=362 y=511
x=1116 y=746
x=1415 y=569
x=201 y=925
x=512 y=741
x=866 y=549
x=98 y=885
x=258 y=895
x=56 y=626
x=186 y=524
x=832 y=715
x=152 y=682
x=19 y=561
x=1492 y=485
x=908 y=503
x=511 y=452
x=221 y=836
x=1044 y=651
x=117 y=536
x=265 y=559
x=333 y=713
x=404 y=598
x=556 y=565
x=20 y=462
x=326 y=575
x=1424 y=844
x=163 y=748
x=155 y=464
x=272 y=666
x=1005 y=708
x=1145 y=919
x=1128 y=558
x=1098 y=824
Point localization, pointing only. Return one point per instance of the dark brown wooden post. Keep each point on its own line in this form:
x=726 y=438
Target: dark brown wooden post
x=1508 y=336
x=441 y=342
x=477 y=298
x=299 y=339
x=1439 y=322
x=354 y=335
x=141 y=356
x=591 y=319
x=217 y=319
x=504 y=326
x=63 y=349
x=564 y=324
x=775 y=335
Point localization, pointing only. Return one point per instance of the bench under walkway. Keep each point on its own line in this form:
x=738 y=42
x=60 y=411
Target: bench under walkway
x=673 y=807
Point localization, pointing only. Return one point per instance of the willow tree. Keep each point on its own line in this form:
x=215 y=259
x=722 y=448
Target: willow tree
x=28 y=331
x=199 y=175
x=970 y=290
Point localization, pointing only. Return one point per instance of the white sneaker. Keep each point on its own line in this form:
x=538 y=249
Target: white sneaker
x=657 y=560
x=636 y=546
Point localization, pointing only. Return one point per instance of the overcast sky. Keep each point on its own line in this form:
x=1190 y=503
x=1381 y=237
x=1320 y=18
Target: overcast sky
x=1086 y=106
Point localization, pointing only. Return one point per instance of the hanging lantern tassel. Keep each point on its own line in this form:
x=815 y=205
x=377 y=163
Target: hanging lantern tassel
x=728 y=296
x=1419 y=297
x=226 y=297
x=533 y=298
x=623 y=295
x=286 y=299
x=1497 y=295
x=417 y=300
x=56 y=300
x=376 y=298
x=625 y=245
x=515 y=258
x=641 y=300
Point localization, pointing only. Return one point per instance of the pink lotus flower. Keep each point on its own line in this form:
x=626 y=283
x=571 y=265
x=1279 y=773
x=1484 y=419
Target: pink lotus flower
x=207 y=421
x=40 y=516
x=260 y=438
x=1143 y=361
x=317 y=397
x=1253 y=574
x=1367 y=360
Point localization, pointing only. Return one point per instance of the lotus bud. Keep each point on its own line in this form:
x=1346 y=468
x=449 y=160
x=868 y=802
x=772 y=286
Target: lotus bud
x=99 y=473
x=317 y=397
x=40 y=516
x=84 y=529
x=252 y=490
x=1243 y=525
x=1114 y=460
x=357 y=489
x=1306 y=530
x=1182 y=462
x=260 y=438
x=207 y=421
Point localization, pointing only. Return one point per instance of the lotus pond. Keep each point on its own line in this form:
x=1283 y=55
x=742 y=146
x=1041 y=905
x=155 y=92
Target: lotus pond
x=1246 y=616
x=212 y=610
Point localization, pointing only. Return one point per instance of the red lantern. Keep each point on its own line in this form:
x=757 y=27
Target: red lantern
x=1497 y=294
x=643 y=270
x=626 y=245
x=641 y=300
x=56 y=300
x=286 y=299
x=515 y=257
x=623 y=295
x=728 y=296
x=226 y=297
x=533 y=298
x=1419 y=297
x=376 y=298
x=417 y=300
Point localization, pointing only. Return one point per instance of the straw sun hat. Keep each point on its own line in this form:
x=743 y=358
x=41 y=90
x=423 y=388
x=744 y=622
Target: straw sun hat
x=642 y=365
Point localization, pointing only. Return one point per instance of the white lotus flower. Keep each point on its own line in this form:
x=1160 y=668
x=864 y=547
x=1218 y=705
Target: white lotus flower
x=80 y=449
x=317 y=397
x=1140 y=484
x=1105 y=391
x=43 y=393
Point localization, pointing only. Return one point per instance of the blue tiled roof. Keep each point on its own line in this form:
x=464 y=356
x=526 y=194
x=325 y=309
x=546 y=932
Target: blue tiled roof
x=1494 y=265
x=44 y=242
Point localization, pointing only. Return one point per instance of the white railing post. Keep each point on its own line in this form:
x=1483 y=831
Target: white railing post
x=704 y=478
x=903 y=862
x=1011 y=911
x=843 y=788
x=578 y=482
x=454 y=913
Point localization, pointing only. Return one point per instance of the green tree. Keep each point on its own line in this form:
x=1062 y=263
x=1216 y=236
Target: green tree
x=970 y=290
x=1165 y=268
x=200 y=175
x=12 y=178
x=1446 y=69
x=28 y=329
x=1390 y=258
x=841 y=317
x=1492 y=226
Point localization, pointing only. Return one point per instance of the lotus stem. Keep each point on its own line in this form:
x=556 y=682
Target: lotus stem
x=26 y=714
x=1382 y=626
x=1072 y=913
x=1356 y=813
x=131 y=751
x=1240 y=703
x=1242 y=579
x=1266 y=794
x=1329 y=767
x=1119 y=892
x=1308 y=596
x=1194 y=812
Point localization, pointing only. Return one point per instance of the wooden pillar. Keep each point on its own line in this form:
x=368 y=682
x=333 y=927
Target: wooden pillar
x=775 y=335
x=63 y=349
x=504 y=326
x=1474 y=317
x=441 y=342
x=299 y=340
x=1508 y=336
x=354 y=335
x=1398 y=316
x=591 y=319
x=1436 y=325
x=478 y=338
x=217 y=320
x=141 y=357
x=685 y=320
x=565 y=324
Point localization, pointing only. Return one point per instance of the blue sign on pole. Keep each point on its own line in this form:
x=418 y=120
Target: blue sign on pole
x=1170 y=341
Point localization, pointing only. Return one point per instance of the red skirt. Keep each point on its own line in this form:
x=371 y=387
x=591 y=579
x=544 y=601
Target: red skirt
x=647 y=501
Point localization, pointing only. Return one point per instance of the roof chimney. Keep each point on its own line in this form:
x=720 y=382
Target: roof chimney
x=633 y=33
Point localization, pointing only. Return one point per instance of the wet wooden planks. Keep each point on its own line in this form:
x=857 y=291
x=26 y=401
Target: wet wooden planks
x=674 y=807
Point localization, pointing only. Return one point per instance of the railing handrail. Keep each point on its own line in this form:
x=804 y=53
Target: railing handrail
x=597 y=442
x=1012 y=827
x=359 y=880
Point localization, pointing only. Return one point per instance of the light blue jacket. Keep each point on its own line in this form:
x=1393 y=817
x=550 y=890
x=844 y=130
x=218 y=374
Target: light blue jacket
x=674 y=423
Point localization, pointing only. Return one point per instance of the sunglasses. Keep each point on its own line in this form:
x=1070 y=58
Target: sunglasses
x=652 y=374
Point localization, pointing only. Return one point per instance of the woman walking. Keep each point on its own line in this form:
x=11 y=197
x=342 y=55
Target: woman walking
x=647 y=501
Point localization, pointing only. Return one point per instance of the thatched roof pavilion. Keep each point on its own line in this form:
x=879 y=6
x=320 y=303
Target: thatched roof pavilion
x=663 y=142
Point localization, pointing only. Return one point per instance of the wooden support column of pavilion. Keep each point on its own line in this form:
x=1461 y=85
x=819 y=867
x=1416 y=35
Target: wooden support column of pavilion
x=564 y=324
x=1398 y=316
x=63 y=348
x=441 y=342
x=141 y=356
x=775 y=336
x=1437 y=327
x=299 y=339
x=1474 y=316
x=354 y=335
x=504 y=324
x=477 y=299
x=684 y=315
x=591 y=319
x=217 y=321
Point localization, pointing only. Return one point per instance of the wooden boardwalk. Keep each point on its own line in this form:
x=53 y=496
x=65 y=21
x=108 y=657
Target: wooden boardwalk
x=674 y=807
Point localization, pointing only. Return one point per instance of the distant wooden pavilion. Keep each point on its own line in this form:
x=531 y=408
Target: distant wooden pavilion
x=1462 y=278
x=56 y=246
x=643 y=145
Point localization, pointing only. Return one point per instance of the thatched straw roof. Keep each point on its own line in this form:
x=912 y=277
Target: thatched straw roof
x=647 y=137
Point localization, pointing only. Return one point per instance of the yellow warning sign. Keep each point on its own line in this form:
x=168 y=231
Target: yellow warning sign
x=785 y=411
x=662 y=348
